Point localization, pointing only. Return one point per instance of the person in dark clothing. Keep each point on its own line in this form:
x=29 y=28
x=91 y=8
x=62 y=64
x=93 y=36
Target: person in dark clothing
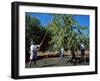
x=73 y=58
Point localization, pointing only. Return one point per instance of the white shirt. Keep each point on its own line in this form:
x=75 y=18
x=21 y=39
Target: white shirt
x=62 y=50
x=33 y=48
x=82 y=46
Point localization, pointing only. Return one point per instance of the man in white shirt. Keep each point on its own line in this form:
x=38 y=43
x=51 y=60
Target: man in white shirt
x=82 y=48
x=61 y=53
x=33 y=52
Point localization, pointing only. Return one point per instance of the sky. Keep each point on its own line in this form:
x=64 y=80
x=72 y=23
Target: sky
x=45 y=18
x=84 y=21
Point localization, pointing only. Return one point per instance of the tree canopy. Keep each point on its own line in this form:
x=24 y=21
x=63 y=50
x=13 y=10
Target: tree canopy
x=61 y=32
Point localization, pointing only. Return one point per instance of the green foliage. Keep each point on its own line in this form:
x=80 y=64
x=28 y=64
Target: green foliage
x=62 y=35
x=59 y=33
x=34 y=31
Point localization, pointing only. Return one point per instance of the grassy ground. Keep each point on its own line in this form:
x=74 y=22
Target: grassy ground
x=57 y=61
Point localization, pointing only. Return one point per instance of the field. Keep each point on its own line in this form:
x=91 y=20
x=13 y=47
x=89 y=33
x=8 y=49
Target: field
x=56 y=61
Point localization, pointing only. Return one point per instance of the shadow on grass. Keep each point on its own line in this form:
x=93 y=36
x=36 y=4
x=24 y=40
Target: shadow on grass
x=78 y=60
x=49 y=65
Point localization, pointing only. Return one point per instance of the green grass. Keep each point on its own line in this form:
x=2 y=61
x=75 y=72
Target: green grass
x=56 y=62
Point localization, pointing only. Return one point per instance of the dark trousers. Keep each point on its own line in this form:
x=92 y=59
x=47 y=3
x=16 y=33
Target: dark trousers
x=82 y=53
